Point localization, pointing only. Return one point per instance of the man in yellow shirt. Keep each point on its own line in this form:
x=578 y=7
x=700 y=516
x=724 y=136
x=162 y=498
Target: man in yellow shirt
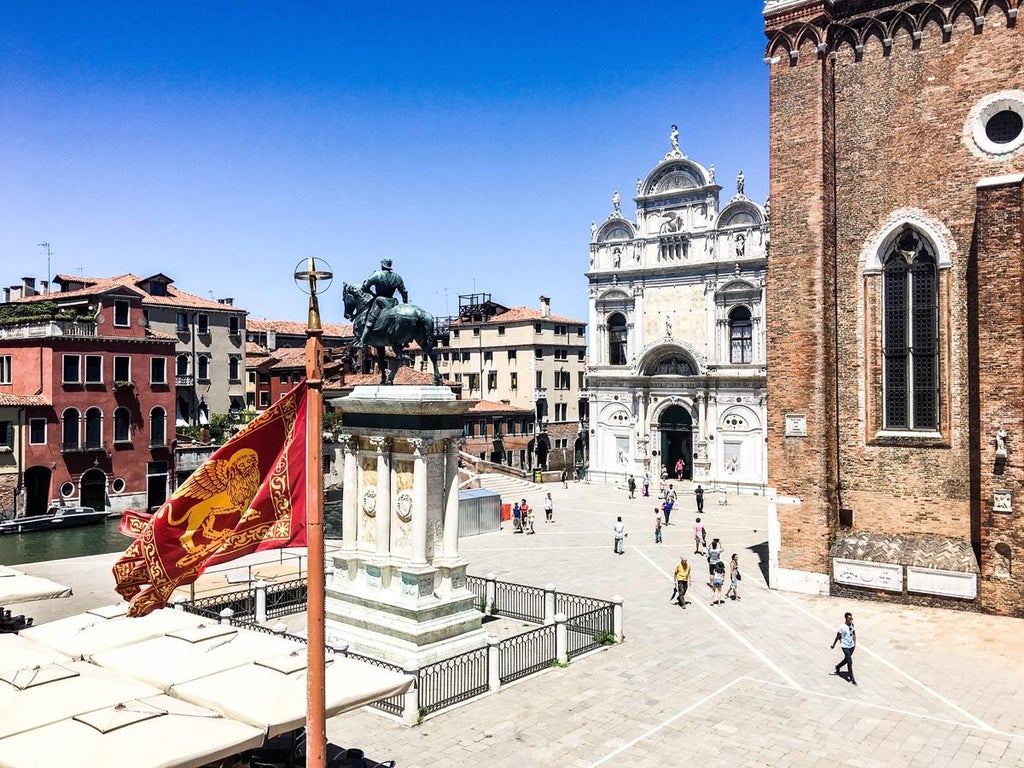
x=682 y=577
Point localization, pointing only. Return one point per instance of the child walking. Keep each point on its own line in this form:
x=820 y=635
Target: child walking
x=657 y=525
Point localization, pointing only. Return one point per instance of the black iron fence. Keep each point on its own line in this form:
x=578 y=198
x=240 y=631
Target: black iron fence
x=286 y=598
x=518 y=601
x=589 y=631
x=526 y=653
x=450 y=681
x=242 y=603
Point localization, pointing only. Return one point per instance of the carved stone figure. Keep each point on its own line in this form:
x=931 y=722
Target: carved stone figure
x=593 y=229
x=673 y=137
x=616 y=200
x=1001 y=443
x=740 y=183
x=668 y=326
x=768 y=208
x=617 y=258
x=741 y=245
x=382 y=286
x=711 y=173
x=639 y=185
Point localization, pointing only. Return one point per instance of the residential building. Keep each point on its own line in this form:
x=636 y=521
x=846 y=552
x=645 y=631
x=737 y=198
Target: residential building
x=500 y=433
x=273 y=334
x=677 y=358
x=12 y=439
x=93 y=389
x=526 y=358
x=896 y=381
x=210 y=353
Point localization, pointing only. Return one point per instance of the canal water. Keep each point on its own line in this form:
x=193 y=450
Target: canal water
x=39 y=546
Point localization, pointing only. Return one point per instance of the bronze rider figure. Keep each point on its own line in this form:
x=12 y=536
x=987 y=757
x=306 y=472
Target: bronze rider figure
x=382 y=285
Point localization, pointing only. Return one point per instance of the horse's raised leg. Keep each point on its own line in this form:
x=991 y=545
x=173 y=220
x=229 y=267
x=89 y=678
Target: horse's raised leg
x=382 y=363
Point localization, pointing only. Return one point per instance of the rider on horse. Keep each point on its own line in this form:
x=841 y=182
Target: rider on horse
x=382 y=285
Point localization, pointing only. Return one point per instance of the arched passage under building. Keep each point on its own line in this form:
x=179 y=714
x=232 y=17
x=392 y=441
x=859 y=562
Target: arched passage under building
x=676 y=428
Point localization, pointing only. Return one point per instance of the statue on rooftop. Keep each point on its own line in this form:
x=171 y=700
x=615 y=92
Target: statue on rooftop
x=673 y=137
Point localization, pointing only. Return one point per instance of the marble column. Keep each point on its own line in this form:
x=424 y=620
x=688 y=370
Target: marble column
x=419 y=502
x=383 y=500
x=450 y=548
x=350 y=499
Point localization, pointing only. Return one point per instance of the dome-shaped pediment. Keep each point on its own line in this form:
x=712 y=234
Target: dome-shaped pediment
x=616 y=230
x=670 y=357
x=741 y=213
x=676 y=175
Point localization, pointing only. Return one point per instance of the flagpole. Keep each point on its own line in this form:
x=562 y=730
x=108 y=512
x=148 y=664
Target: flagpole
x=316 y=721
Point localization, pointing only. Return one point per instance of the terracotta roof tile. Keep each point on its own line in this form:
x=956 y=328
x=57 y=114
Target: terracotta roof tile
x=20 y=400
x=288 y=357
x=252 y=349
x=489 y=406
x=295 y=328
x=174 y=297
x=405 y=376
x=523 y=314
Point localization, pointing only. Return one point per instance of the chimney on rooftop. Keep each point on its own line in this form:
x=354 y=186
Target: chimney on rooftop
x=229 y=301
x=545 y=306
x=271 y=339
x=44 y=286
x=28 y=286
x=7 y=295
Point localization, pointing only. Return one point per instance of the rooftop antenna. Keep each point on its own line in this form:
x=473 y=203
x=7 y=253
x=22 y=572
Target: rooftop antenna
x=49 y=254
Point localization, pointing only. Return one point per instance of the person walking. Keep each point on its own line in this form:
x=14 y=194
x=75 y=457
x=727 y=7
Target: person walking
x=679 y=468
x=647 y=484
x=670 y=502
x=528 y=516
x=631 y=484
x=620 y=536
x=699 y=495
x=682 y=577
x=549 y=508
x=734 y=577
x=517 y=518
x=657 y=525
x=717 y=579
x=846 y=636
x=698 y=536
x=714 y=558
x=565 y=479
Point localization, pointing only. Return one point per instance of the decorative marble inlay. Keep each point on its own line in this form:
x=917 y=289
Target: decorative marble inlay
x=861 y=573
x=370 y=502
x=949 y=583
x=403 y=506
x=795 y=425
x=373 y=577
x=1002 y=500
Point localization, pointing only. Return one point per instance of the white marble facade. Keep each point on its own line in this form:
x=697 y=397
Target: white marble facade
x=677 y=343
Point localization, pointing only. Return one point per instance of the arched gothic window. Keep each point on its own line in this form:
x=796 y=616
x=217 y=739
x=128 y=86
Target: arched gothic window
x=181 y=365
x=203 y=374
x=910 y=344
x=122 y=425
x=69 y=429
x=94 y=428
x=157 y=427
x=617 y=339
x=741 y=336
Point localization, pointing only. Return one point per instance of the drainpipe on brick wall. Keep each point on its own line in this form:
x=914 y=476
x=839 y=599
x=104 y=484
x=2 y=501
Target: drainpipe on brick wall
x=831 y=65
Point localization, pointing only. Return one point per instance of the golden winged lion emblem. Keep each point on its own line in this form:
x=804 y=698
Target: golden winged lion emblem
x=218 y=488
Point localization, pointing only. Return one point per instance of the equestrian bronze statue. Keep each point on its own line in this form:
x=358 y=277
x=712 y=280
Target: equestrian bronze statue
x=380 y=321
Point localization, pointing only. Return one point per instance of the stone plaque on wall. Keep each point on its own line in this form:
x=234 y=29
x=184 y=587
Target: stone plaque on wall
x=861 y=573
x=1002 y=500
x=795 y=425
x=931 y=581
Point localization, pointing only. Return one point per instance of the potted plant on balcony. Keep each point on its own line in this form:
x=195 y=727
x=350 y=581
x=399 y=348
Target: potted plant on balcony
x=124 y=385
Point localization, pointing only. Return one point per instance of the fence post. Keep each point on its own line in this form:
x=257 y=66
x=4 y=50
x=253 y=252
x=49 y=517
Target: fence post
x=178 y=602
x=411 y=711
x=225 y=616
x=280 y=628
x=549 y=603
x=493 y=663
x=489 y=593
x=561 y=639
x=261 y=600
x=617 y=618
x=340 y=647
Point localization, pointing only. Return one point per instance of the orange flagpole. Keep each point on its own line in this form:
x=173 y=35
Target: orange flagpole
x=316 y=720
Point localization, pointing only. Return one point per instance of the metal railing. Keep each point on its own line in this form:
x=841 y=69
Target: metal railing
x=526 y=653
x=574 y=605
x=589 y=631
x=450 y=681
x=242 y=602
x=286 y=598
x=518 y=601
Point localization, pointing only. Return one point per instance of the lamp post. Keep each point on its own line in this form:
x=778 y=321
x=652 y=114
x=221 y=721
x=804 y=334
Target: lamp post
x=307 y=273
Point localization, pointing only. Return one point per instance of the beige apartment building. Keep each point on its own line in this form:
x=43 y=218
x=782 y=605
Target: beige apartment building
x=527 y=358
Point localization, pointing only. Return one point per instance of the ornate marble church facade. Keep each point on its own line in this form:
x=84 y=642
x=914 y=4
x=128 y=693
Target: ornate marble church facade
x=677 y=347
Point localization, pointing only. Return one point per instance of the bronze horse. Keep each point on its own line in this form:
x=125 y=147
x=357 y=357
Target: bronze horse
x=395 y=328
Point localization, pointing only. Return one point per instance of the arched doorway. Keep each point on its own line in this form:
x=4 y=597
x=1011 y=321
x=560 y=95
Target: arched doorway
x=676 y=429
x=37 y=490
x=92 y=490
x=538 y=449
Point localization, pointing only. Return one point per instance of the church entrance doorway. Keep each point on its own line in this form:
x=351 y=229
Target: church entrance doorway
x=676 y=428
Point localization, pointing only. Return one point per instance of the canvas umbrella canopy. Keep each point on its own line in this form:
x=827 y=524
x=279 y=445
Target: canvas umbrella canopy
x=17 y=652
x=18 y=587
x=192 y=653
x=84 y=634
x=38 y=695
x=271 y=693
x=154 y=732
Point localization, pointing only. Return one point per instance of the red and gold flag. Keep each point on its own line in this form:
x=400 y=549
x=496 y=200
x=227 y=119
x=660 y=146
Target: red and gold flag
x=248 y=496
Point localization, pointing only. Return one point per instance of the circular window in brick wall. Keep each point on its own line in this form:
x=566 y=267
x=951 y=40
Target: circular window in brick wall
x=998 y=123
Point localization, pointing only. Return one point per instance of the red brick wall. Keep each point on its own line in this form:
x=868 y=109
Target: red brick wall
x=900 y=142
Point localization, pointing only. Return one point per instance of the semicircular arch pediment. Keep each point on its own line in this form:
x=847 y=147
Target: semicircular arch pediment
x=674 y=175
x=740 y=213
x=616 y=230
x=670 y=357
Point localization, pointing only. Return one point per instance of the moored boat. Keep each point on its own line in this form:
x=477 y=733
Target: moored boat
x=54 y=518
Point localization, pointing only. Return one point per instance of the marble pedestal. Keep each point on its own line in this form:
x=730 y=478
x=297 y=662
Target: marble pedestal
x=398 y=591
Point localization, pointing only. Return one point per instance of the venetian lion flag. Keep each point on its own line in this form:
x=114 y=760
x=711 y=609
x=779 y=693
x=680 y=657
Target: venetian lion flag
x=249 y=496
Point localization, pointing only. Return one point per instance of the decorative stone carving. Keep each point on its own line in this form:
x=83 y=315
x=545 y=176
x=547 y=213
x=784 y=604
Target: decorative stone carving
x=403 y=505
x=931 y=581
x=711 y=175
x=1002 y=500
x=1001 y=443
x=616 y=201
x=741 y=245
x=740 y=184
x=1002 y=561
x=860 y=573
x=795 y=425
x=370 y=502
x=673 y=138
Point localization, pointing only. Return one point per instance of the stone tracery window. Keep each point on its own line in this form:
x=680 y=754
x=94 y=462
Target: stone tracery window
x=617 y=339
x=741 y=336
x=910 y=344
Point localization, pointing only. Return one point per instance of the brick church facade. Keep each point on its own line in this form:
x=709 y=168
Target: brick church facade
x=895 y=298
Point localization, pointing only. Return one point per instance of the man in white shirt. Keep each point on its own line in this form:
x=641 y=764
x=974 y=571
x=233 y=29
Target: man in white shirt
x=620 y=535
x=846 y=636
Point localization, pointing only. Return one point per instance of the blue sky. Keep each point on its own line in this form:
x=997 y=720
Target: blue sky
x=219 y=143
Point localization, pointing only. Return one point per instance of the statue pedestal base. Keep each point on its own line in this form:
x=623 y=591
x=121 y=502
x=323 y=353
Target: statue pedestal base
x=406 y=614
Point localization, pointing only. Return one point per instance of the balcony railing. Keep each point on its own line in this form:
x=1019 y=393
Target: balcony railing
x=43 y=328
x=85 y=446
x=183 y=381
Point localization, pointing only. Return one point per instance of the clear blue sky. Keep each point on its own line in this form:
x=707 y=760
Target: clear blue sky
x=473 y=142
